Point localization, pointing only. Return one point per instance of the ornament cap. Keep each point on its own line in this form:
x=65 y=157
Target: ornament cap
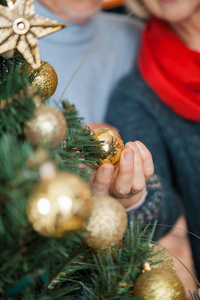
x=146 y=266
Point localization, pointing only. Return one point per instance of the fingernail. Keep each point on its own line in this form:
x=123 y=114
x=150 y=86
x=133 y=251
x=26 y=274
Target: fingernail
x=128 y=156
x=140 y=146
x=106 y=172
x=134 y=147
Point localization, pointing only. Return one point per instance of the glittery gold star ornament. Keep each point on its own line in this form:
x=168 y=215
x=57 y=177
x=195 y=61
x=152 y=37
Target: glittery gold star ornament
x=20 y=28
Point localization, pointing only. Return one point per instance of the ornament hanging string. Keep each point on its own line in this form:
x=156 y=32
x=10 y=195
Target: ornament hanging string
x=91 y=50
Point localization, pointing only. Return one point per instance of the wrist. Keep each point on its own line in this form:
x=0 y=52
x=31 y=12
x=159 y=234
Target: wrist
x=138 y=201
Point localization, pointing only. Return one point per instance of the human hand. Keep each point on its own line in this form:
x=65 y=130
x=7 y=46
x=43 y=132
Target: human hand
x=127 y=180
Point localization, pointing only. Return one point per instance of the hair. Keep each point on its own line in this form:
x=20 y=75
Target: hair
x=138 y=8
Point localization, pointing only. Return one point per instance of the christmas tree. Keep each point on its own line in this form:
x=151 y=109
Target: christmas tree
x=55 y=242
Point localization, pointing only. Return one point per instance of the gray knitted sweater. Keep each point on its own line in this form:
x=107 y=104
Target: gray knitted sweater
x=175 y=146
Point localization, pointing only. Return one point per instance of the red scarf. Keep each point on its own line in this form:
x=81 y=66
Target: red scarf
x=171 y=69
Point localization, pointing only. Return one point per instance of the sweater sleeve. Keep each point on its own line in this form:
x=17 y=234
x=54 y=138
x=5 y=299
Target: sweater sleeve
x=154 y=208
x=127 y=111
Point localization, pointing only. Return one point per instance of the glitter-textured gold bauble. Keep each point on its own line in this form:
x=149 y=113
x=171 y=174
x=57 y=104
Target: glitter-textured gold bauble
x=49 y=126
x=112 y=145
x=59 y=205
x=45 y=78
x=107 y=223
x=20 y=28
x=158 y=284
x=159 y=253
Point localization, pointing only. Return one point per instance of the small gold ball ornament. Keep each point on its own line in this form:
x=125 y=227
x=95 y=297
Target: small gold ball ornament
x=107 y=223
x=59 y=205
x=49 y=126
x=112 y=145
x=158 y=284
x=45 y=78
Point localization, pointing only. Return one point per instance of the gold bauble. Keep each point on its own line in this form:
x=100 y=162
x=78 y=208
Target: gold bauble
x=112 y=145
x=107 y=223
x=158 y=284
x=159 y=253
x=59 y=205
x=45 y=78
x=49 y=126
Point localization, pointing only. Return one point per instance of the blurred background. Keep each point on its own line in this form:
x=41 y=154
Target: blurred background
x=115 y=5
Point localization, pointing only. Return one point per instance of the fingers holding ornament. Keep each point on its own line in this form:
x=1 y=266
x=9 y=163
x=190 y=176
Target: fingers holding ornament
x=101 y=180
x=135 y=168
x=124 y=178
x=121 y=187
x=118 y=181
x=110 y=148
x=146 y=157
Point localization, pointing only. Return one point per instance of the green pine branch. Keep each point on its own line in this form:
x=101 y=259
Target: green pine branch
x=3 y=2
x=104 y=274
x=77 y=151
x=25 y=255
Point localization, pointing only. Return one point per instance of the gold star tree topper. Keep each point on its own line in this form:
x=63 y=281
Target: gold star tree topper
x=20 y=28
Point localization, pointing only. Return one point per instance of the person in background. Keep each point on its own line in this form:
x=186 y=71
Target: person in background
x=158 y=103
x=66 y=49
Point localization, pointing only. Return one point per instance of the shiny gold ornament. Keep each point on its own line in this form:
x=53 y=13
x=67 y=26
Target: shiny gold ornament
x=107 y=223
x=112 y=145
x=159 y=253
x=20 y=28
x=158 y=284
x=49 y=126
x=59 y=205
x=45 y=78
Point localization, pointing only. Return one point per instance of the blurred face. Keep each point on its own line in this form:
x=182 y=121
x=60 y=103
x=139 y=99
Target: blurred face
x=78 y=11
x=173 y=11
